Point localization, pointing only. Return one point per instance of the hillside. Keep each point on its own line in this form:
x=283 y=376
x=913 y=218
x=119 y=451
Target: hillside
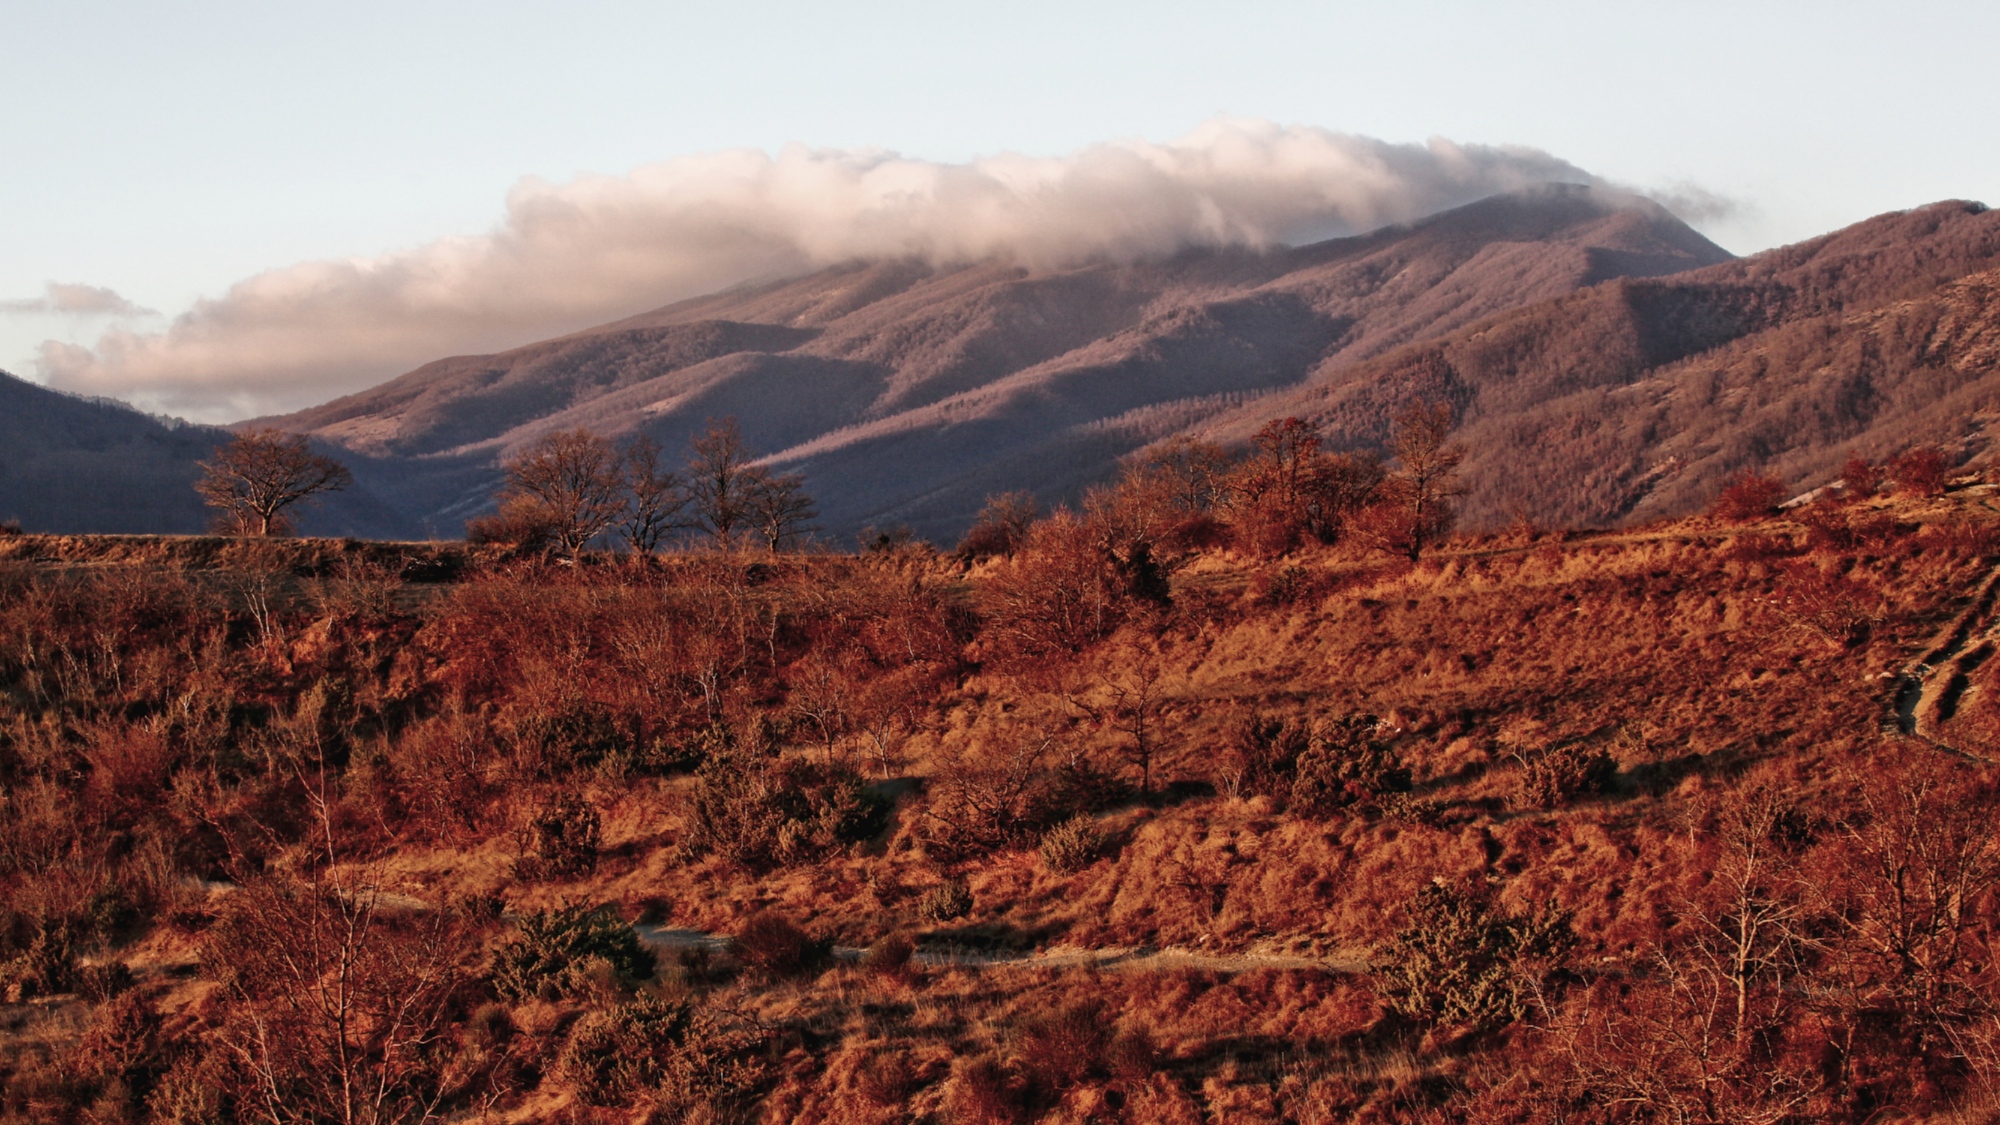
x=860 y=839
x=891 y=381
x=72 y=464
x=1634 y=399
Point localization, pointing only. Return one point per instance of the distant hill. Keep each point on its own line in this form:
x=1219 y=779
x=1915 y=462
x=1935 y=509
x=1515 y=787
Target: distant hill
x=1635 y=399
x=907 y=393
x=79 y=465
x=1607 y=362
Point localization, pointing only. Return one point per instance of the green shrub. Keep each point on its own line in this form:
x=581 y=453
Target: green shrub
x=561 y=952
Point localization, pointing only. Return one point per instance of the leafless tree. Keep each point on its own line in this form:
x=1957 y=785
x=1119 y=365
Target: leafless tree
x=778 y=506
x=658 y=501
x=1416 y=498
x=570 y=483
x=255 y=479
x=719 y=480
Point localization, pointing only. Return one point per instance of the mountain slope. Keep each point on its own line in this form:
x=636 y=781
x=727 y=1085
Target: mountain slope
x=81 y=465
x=1634 y=399
x=905 y=390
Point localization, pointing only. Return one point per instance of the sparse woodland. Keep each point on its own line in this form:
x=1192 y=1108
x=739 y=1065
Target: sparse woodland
x=1245 y=792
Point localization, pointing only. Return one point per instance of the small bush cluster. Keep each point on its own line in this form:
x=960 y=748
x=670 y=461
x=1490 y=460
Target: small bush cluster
x=773 y=946
x=672 y=1053
x=944 y=903
x=1316 y=766
x=762 y=813
x=1073 y=845
x=1558 y=775
x=1461 y=963
x=571 y=950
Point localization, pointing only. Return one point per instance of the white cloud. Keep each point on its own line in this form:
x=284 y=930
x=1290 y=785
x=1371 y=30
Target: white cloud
x=570 y=255
x=62 y=299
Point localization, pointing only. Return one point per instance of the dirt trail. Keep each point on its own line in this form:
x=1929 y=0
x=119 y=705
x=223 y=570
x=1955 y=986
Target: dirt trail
x=1141 y=958
x=1928 y=688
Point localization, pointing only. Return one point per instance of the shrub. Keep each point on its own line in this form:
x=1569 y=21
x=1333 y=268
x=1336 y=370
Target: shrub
x=669 y=1046
x=1056 y=1051
x=1860 y=478
x=761 y=814
x=1000 y=528
x=885 y=1078
x=560 y=952
x=1258 y=757
x=1748 y=496
x=1343 y=765
x=1460 y=963
x=772 y=946
x=981 y=1092
x=1132 y=1056
x=1073 y=845
x=565 y=837
x=579 y=735
x=101 y=982
x=48 y=966
x=945 y=902
x=890 y=955
x=1554 y=777
x=1920 y=471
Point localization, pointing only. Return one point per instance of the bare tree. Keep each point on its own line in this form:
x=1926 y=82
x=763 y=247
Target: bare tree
x=658 y=504
x=719 y=482
x=255 y=479
x=1418 y=495
x=778 y=506
x=571 y=483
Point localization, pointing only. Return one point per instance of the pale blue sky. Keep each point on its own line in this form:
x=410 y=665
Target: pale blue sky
x=168 y=150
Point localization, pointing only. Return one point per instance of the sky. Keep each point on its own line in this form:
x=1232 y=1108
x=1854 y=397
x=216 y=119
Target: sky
x=218 y=209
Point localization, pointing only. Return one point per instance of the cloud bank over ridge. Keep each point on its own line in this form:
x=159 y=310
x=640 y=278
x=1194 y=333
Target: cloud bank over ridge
x=567 y=256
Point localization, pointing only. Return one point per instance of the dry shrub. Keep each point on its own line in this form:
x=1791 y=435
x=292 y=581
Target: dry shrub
x=672 y=1050
x=573 y=950
x=885 y=1078
x=774 y=947
x=1055 y=1052
x=578 y=735
x=890 y=954
x=1073 y=845
x=1747 y=496
x=1462 y=964
x=565 y=835
x=1557 y=775
x=944 y=903
x=1920 y=471
x=1132 y=1057
x=981 y=1092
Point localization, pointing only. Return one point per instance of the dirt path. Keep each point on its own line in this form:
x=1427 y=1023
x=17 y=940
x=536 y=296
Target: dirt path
x=1929 y=687
x=1140 y=958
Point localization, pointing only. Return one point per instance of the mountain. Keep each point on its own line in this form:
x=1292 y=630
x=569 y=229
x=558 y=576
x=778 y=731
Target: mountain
x=77 y=465
x=1634 y=399
x=908 y=392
